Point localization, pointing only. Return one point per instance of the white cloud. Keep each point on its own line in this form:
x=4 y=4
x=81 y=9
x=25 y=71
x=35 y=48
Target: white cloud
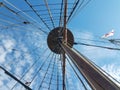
x=84 y=36
x=8 y=44
x=23 y=47
x=1 y=50
x=113 y=70
x=2 y=54
x=18 y=70
x=6 y=47
x=2 y=57
x=22 y=58
x=1 y=83
x=95 y=54
x=99 y=55
x=29 y=75
x=17 y=54
x=1 y=77
x=28 y=58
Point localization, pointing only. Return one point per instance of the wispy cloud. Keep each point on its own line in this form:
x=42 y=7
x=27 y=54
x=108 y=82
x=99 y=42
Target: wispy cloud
x=19 y=60
x=94 y=53
x=24 y=58
x=1 y=83
x=8 y=44
x=2 y=56
x=104 y=58
x=113 y=70
x=5 y=48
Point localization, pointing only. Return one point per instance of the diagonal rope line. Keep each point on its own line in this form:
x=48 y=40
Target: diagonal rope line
x=79 y=7
x=40 y=68
x=80 y=3
x=30 y=67
x=77 y=74
x=61 y=10
x=37 y=14
x=49 y=12
x=21 y=17
x=97 y=46
x=57 y=76
x=50 y=62
x=11 y=10
x=53 y=68
x=11 y=17
x=73 y=9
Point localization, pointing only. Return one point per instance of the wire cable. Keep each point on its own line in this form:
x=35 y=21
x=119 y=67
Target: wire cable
x=46 y=72
x=80 y=6
x=77 y=74
x=73 y=9
x=22 y=17
x=49 y=12
x=30 y=68
x=110 y=48
x=61 y=10
x=37 y=14
x=53 y=67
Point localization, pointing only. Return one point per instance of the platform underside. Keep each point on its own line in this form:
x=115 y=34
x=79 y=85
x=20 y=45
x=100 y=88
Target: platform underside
x=55 y=37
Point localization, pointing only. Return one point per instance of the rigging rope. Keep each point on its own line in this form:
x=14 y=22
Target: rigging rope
x=46 y=72
x=40 y=68
x=73 y=9
x=61 y=11
x=110 y=48
x=53 y=67
x=30 y=67
x=78 y=8
x=49 y=12
x=77 y=75
x=39 y=28
x=37 y=14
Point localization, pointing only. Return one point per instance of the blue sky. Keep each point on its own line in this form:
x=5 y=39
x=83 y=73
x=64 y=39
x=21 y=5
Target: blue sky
x=96 y=19
x=99 y=16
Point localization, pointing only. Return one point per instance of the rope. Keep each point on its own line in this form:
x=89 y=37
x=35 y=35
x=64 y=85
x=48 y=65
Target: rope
x=37 y=14
x=77 y=75
x=110 y=48
x=49 y=12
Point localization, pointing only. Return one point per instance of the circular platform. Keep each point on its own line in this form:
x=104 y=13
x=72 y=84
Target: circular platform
x=55 y=38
